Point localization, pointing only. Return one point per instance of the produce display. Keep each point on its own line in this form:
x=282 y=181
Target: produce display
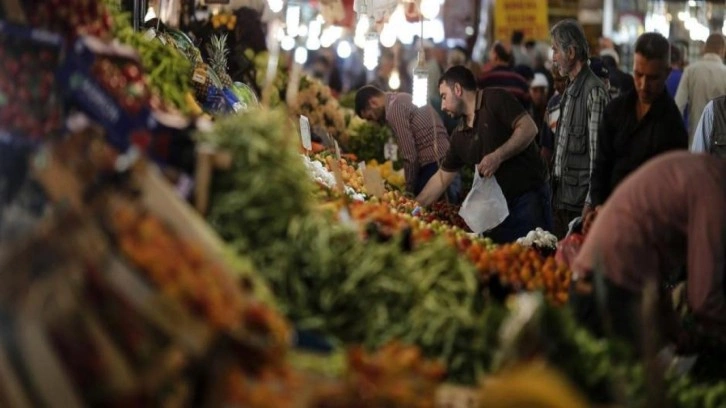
x=316 y=101
x=70 y=18
x=367 y=139
x=122 y=78
x=131 y=309
x=29 y=103
x=188 y=277
x=395 y=376
x=394 y=178
x=260 y=61
x=521 y=267
x=240 y=199
x=167 y=71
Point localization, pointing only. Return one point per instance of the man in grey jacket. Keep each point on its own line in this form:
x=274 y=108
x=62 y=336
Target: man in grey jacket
x=583 y=104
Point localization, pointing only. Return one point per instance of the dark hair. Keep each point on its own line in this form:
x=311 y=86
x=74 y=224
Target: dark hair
x=502 y=53
x=653 y=46
x=715 y=43
x=363 y=96
x=676 y=56
x=517 y=37
x=458 y=74
x=568 y=34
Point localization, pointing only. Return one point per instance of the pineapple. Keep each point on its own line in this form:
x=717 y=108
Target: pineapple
x=218 y=52
x=201 y=81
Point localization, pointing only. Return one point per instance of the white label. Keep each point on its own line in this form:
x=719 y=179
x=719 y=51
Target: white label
x=362 y=166
x=305 y=133
x=390 y=151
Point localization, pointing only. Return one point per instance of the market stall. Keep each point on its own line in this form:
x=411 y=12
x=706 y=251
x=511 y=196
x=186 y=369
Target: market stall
x=302 y=277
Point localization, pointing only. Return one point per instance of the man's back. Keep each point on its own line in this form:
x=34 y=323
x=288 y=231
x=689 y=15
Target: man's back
x=701 y=82
x=507 y=79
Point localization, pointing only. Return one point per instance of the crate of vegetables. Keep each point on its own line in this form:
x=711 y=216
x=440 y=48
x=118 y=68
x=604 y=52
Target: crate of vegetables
x=30 y=111
x=107 y=82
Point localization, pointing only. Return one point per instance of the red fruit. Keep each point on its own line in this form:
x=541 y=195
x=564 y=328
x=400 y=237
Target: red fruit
x=12 y=67
x=132 y=72
x=46 y=57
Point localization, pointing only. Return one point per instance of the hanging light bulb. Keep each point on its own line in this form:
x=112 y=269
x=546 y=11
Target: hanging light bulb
x=287 y=43
x=394 y=82
x=430 y=8
x=275 y=5
x=292 y=19
x=388 y=36
x=420 y=84
x=421 y=75
x=371 y=51
x=301 y=55
x=344 y=49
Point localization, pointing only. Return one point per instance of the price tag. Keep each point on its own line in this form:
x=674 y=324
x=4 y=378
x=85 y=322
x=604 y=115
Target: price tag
x=305 y=133
x=390 y=151
x=339 y=182
x=199 y=75
x=374 y=182
x=362 y=167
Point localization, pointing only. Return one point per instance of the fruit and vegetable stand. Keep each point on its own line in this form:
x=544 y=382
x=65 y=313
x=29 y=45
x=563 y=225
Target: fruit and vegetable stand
x=308 y=279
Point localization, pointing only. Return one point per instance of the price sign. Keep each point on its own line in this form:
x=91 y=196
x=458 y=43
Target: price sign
x=374 y=182
x=305 y=133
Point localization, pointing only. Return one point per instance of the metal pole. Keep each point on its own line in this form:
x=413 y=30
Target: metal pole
x=136 y=17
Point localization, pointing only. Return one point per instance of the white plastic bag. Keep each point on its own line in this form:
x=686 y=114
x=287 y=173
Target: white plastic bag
x=485 y=207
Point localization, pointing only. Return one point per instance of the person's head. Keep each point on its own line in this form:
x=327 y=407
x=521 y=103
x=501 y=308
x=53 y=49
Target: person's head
x=386 y=64
x=651 y=66
x=499 y=55
x=600 y=70
x=559 y=81
x=538 y=90
x=715 y=44
x=320 y=67
x=453 y=85
x=370 y=104
x=525 y=71
x=517 y=37
x=456 y=56
x=569 y=46
x=610 y=57
x=676 y=57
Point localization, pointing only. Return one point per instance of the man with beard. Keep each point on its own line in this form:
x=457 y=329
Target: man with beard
x=497 y=136
x=420 y=134
x=583 y=103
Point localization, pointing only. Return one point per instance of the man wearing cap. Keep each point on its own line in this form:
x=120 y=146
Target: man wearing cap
x=620 y=81
x=538 y=91
x=640 y=124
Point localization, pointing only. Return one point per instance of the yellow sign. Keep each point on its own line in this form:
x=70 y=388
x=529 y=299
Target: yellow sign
x=527 y=16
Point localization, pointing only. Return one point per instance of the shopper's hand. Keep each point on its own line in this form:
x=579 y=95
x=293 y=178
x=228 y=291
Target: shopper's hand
x=489 y=165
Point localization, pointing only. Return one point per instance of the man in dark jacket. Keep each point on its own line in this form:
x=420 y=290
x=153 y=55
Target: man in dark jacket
x=640 y=124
